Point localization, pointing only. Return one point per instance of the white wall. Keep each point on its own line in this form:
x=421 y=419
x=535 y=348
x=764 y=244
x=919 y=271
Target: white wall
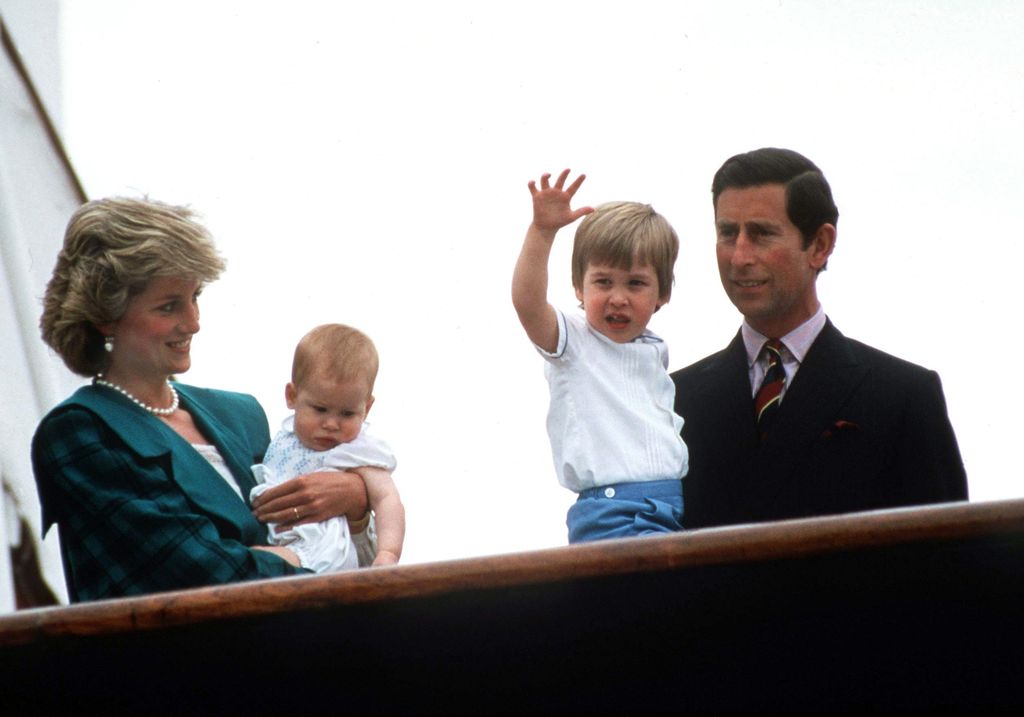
x=34 y=25
x=367 y=163
x=36 y=197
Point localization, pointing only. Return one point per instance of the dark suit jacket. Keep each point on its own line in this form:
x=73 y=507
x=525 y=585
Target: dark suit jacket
x=139 y=509
x=857 y=429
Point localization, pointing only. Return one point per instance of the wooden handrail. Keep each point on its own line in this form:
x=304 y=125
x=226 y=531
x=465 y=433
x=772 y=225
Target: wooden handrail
x=731 y=545
x=897 y=610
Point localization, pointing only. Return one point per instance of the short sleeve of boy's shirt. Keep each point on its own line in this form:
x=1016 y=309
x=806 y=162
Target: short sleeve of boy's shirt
x=611 y=418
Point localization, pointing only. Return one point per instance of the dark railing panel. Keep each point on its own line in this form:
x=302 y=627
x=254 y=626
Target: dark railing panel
x=904 y=609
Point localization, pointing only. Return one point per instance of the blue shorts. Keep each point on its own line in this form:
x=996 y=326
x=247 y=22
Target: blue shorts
x=626 y=509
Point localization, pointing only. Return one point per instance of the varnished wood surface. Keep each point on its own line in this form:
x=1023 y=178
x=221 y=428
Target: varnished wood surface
x=894 y=611
x=721 y=546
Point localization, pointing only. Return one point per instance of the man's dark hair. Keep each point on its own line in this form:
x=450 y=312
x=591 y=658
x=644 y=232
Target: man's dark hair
x=809 y=202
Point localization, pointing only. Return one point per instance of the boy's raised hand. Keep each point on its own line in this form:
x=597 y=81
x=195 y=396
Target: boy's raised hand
x=551 y=212
x=551 y=204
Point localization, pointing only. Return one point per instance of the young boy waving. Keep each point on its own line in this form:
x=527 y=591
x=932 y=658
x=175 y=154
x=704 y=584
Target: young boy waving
x=614 y=435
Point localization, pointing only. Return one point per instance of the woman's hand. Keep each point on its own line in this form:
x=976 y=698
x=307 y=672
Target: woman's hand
x=312 y=498
x=285 y=553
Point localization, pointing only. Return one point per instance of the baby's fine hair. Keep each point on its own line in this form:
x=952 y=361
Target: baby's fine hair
x=621 y=233
x=335 y=352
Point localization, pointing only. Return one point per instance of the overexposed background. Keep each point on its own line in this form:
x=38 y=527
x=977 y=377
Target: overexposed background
x=366 y=163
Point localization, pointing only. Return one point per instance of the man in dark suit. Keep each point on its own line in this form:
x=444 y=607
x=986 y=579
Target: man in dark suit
x=852 y=428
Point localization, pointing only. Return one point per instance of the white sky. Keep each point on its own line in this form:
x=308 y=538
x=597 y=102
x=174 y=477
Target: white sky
x=367 y=163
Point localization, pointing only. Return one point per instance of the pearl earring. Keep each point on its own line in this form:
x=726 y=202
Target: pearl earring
x=108 y=344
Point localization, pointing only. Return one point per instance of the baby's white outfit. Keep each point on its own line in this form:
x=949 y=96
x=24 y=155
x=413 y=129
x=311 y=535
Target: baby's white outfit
x=327 y=546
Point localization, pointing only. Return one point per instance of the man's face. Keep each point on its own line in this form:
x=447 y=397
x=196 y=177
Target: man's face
x=765 y=269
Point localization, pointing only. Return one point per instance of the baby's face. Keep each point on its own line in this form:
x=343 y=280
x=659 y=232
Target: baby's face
x=619 y=302
x=328 y=413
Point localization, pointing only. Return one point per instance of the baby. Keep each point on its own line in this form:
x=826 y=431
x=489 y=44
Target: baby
x=331 y=393
x=615 y=437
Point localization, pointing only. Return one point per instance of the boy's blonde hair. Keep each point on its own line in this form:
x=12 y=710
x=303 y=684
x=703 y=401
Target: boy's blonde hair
x=621 y=233
x=337 y=353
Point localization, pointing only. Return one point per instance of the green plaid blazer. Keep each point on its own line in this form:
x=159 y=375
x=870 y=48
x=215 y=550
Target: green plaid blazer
x=138 y=509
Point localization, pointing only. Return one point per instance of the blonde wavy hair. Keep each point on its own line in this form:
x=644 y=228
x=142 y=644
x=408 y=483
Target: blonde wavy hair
x=112 y=249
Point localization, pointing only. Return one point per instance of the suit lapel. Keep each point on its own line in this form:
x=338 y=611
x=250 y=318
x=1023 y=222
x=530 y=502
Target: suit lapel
x=234 y=451
x=727 y=408
x=151 y=438
x=827 y=377
x=729 y=382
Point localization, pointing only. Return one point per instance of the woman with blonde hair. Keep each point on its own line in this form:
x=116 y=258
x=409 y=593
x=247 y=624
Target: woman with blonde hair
x=148 y=478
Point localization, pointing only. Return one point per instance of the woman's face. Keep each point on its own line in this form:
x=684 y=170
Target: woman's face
x=153 y=338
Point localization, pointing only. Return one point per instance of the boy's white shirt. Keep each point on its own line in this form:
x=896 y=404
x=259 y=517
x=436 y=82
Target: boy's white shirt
x=611 y=418
x=327 y=546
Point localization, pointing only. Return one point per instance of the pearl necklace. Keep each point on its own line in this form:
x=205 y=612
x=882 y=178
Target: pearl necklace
x=98 y=380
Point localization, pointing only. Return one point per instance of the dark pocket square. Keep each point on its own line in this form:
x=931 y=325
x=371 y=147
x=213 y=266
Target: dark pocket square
x=840 y=427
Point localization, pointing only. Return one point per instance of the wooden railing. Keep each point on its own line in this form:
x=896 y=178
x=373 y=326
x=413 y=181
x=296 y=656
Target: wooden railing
x=905 y=609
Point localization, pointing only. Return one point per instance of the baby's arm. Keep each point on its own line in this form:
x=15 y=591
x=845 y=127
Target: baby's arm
x=389 y=514
x=551 y=212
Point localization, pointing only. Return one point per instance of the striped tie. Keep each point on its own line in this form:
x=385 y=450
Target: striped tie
x=766 y=403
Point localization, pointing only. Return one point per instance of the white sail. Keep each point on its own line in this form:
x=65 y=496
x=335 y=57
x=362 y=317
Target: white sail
x=38 y=192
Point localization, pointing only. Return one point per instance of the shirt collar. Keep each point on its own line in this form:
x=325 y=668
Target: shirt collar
x=646 y=337
x=798 y=341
